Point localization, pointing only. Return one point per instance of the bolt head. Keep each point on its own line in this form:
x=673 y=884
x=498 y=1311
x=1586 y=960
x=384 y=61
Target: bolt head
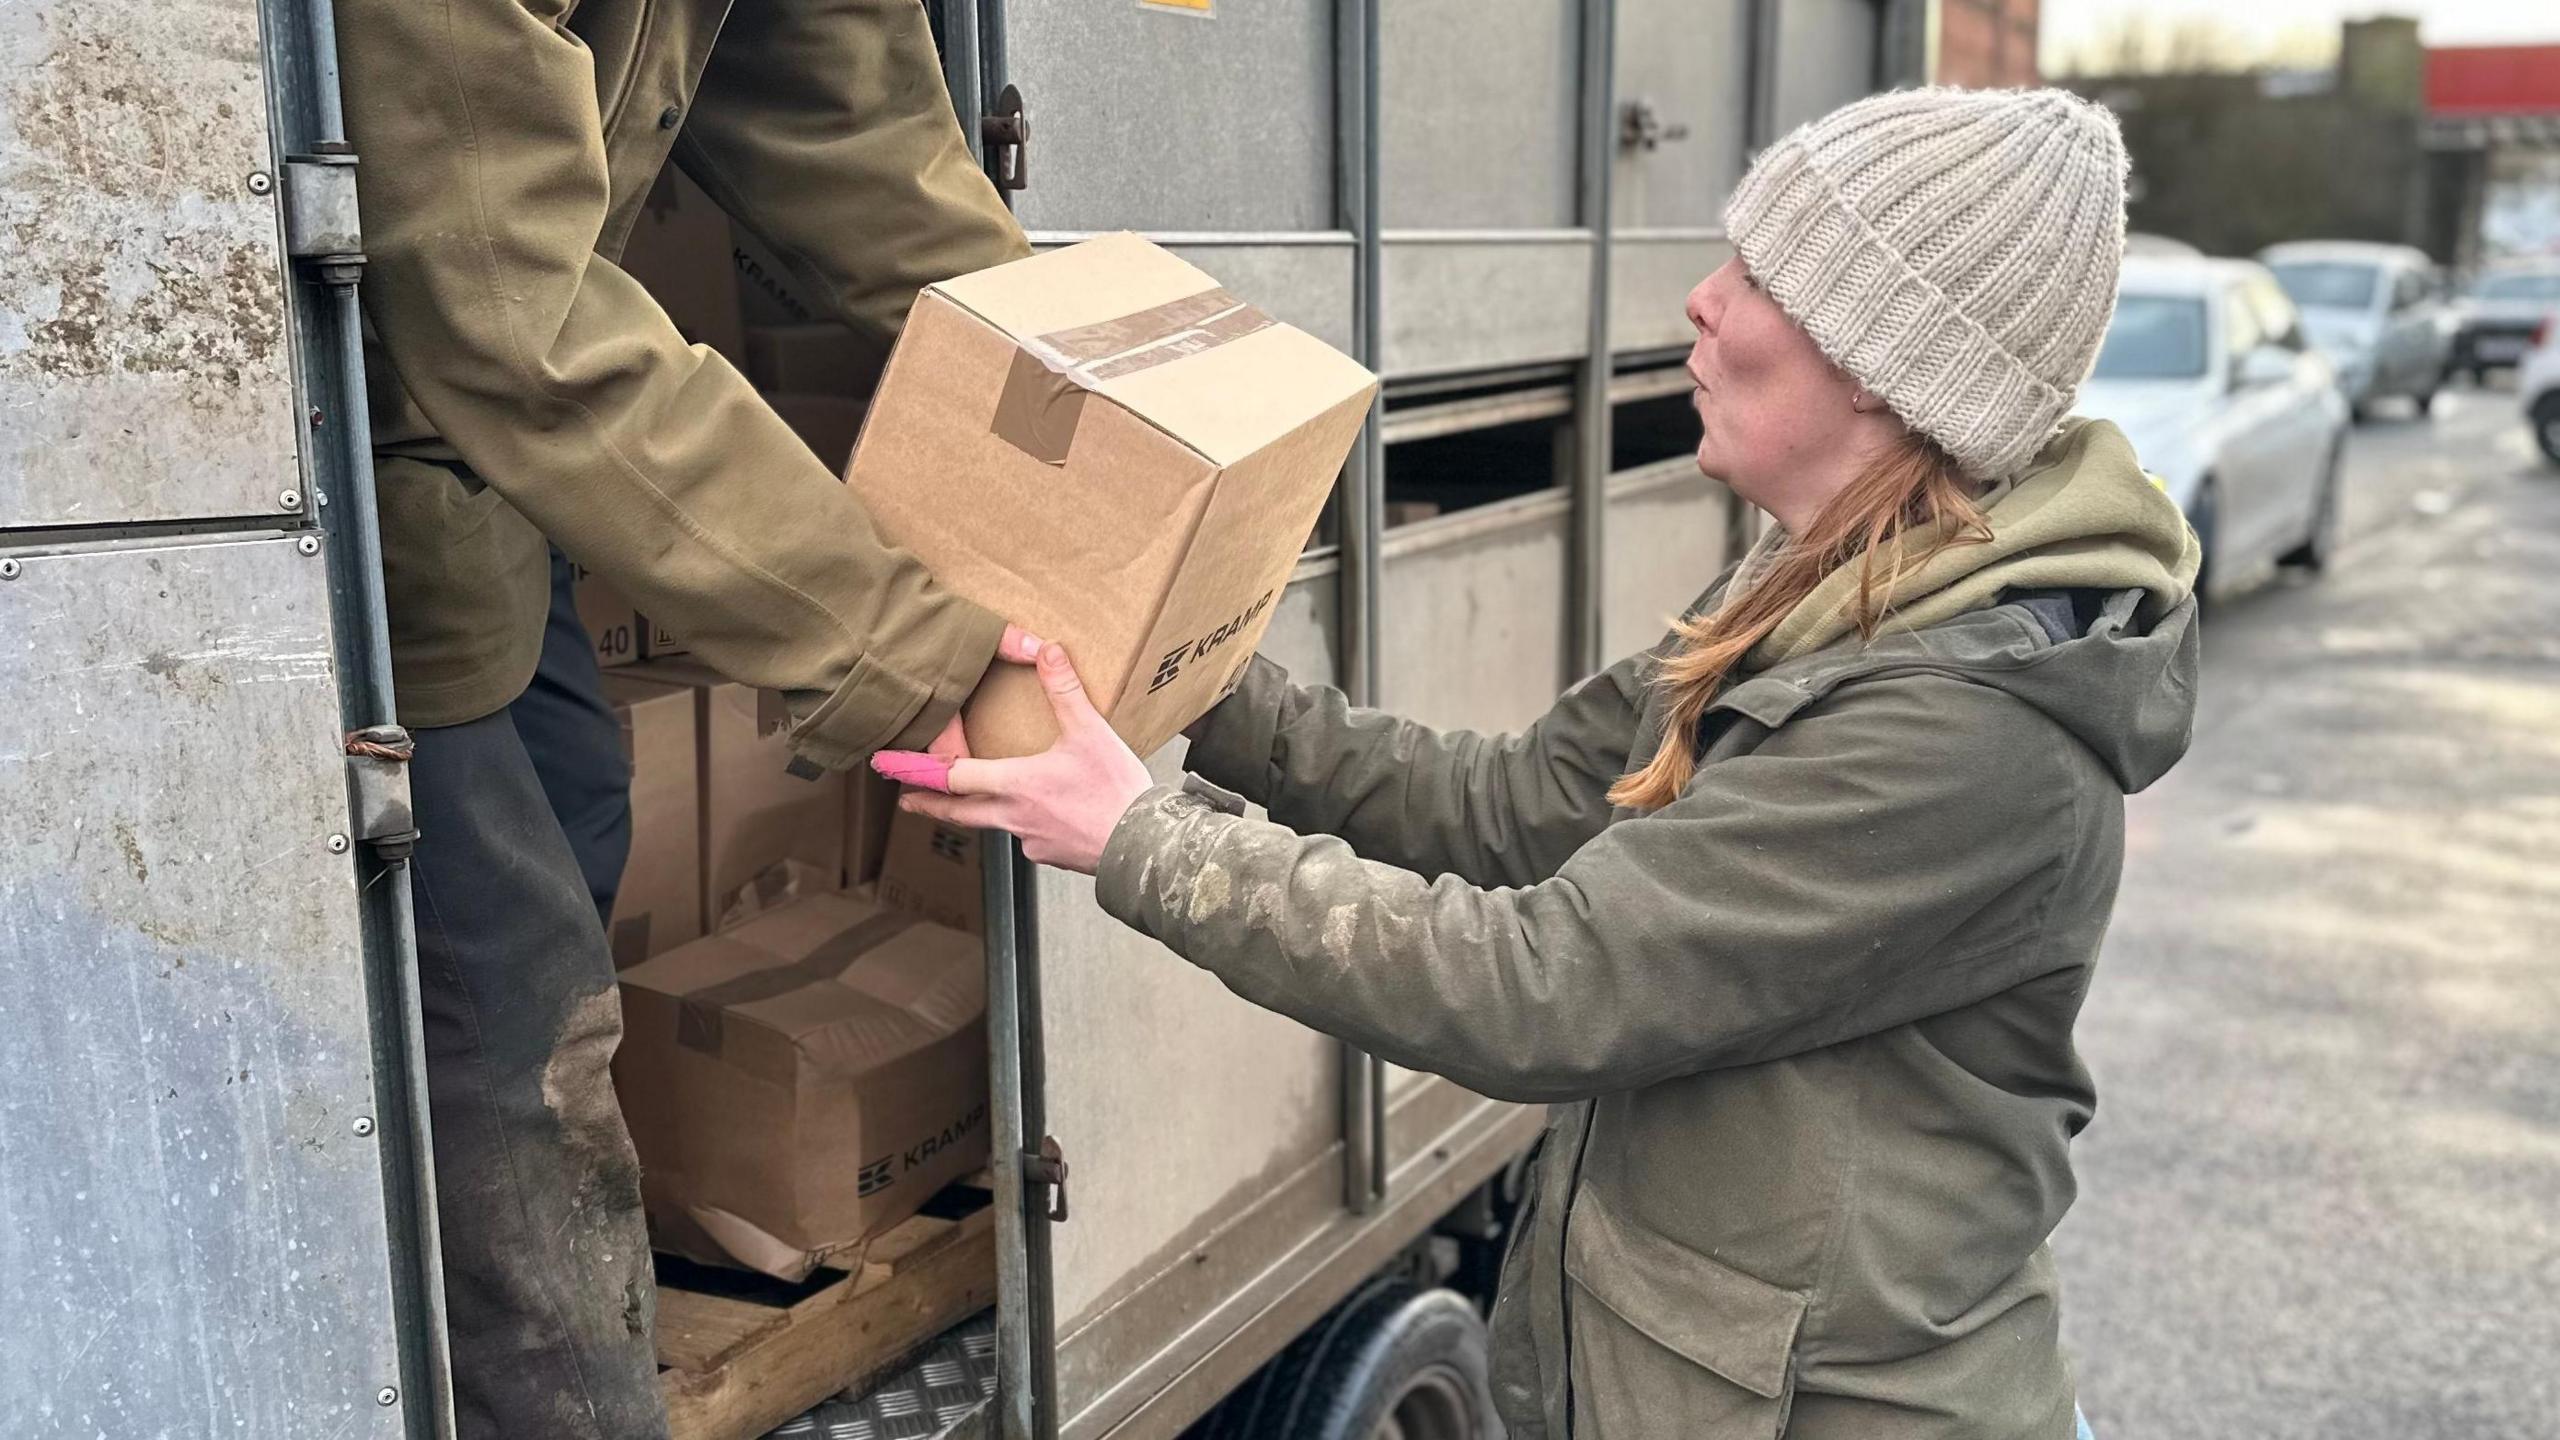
x=308 y=544
x=386 y=1396
x=260 y=182
x=290 y=500
x=337 y=844
x=364 y=1125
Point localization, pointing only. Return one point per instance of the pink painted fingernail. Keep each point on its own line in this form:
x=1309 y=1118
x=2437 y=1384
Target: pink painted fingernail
x=1031 y=645
x=914 y=767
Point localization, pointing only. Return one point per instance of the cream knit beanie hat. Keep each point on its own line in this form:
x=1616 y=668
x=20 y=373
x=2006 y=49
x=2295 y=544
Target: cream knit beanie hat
x=1954 y=250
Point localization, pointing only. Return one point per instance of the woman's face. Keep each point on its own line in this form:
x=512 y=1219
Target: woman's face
x=1776 y=414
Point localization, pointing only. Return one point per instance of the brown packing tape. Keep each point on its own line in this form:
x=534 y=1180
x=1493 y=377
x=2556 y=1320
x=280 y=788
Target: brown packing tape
x=699 y=1022
x=1043 y=396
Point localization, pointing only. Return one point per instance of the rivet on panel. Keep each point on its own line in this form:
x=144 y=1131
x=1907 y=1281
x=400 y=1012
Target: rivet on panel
x=337 y=844
x=260 y=182
x=386 y=1396
x=290 y=500
x=364 y=1125
x=8 y=569
x=308 y=544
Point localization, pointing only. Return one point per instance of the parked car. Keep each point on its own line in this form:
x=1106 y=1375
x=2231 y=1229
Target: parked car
x=2496 y=318
x=2538 y=383
x=2375 y=311
x=2207 y=370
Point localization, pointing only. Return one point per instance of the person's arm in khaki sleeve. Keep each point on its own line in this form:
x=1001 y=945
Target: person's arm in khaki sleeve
x=824 y=127
x=561 y=382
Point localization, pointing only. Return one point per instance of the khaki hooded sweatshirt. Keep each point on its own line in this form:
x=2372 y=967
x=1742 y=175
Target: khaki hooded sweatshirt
x=1805 y=1032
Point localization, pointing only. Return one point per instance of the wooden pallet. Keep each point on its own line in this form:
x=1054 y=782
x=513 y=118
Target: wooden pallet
x=739 y=1354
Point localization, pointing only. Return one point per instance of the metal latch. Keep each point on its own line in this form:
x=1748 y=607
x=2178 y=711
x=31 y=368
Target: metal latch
x=378 y=790
x=1044 y=1180
x=1007 y=135
x=1641 y=127
x=320 y=225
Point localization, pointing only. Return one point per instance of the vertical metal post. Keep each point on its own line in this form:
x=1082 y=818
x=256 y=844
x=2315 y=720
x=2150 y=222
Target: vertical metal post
x=1584 y=592
x=1360 y=510
x=1760 y=116
x=340 y=447
x=1018 y=1392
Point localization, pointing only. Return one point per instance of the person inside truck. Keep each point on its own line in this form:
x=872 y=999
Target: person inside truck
x=1789 y=917
x=526 y=391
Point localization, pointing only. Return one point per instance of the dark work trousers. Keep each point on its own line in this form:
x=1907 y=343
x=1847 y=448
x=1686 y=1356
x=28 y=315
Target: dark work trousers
x=546 y=1260
x=576 y=745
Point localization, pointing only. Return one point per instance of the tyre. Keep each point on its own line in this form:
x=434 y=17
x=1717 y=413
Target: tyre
x=1395 y=1362
x=2546 y=424
x=2203 y=520
x=2320 y=542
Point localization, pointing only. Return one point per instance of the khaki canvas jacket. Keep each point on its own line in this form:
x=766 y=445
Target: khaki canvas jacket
x=1805 y=1032
x=525 y=386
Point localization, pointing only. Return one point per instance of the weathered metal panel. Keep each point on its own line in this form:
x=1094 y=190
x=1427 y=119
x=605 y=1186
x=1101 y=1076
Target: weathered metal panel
x=1153 y=118
x=1686 y=64
x=1473 y=616
x=194 y=1215
x=1128 y=1024
x=1826 y=57
x=1669 y=535
x=141 y=310
x=1489 y=140
x=1473 y=302
x=1650 y=278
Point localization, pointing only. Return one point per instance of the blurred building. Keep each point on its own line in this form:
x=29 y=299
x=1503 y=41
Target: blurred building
x=2493 y=146
x=2231 y=161
x=2454 y=150
x=1987 y=42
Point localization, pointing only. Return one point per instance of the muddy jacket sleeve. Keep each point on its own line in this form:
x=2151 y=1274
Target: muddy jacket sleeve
x=1491 y=809
x=823 y=126
x=560 y=381
x=1820 y=888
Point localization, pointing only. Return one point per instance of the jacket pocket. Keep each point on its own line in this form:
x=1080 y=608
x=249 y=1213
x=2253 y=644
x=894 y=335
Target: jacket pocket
x=1662 y=1331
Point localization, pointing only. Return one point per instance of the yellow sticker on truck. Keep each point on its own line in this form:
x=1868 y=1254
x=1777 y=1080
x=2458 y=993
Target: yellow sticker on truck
x=1202 y=8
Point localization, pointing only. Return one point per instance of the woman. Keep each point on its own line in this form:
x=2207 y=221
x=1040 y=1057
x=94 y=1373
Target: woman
x=1790 y=916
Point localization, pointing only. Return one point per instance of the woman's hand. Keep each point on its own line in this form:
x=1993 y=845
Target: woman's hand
x=1062 y=802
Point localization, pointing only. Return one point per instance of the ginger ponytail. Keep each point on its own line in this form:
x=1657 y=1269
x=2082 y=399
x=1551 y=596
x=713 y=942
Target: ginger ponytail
x=1912 y=488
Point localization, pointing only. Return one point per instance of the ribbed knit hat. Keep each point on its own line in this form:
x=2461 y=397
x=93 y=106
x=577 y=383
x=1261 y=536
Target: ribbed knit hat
x=1953 y=250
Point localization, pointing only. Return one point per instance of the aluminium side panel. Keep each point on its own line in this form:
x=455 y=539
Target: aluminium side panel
x=190 y=1166
x=1479 y=105
x=1669 y=537
x=1684 y=99
x=1828 y=55
x=1157 y=117
x=1179 y=1106
x=142 y=303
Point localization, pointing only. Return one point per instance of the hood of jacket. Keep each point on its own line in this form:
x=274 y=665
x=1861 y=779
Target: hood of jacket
x=2083 y=520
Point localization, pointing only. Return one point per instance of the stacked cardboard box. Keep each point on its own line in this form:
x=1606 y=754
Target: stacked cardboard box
x=931 y=869
x=804 y=1081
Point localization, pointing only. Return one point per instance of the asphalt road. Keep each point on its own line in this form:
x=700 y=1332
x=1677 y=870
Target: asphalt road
x=2322 y=1193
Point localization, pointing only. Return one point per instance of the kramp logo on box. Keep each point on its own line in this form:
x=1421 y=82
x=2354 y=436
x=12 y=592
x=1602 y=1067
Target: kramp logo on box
x=1169 y=669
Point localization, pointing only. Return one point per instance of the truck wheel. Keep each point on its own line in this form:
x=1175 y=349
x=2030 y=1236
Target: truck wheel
x=1394 y=1362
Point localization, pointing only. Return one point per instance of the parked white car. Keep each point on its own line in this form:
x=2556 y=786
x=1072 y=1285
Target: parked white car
x=2207 y=371
x=2497 y=316
x=2538 y=383
x=2377 y=312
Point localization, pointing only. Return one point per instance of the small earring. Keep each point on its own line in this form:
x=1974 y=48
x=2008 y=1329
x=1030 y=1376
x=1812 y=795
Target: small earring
x=1857 y=401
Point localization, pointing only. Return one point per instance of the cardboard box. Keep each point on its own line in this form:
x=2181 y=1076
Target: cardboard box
x=621 y=634
x=659 y=905
x=1101 y=445
x=815 y=359
x=803 y=1082
x=767 y=833
x=767 y=293
x=871 y=805
x=680 y=249
x=931 y=870
x=827 y=424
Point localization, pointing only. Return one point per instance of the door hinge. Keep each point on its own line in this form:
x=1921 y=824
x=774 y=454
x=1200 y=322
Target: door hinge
x=1007 y=135
x=1044 y=1180
x=378 y=791
x=321 y=229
